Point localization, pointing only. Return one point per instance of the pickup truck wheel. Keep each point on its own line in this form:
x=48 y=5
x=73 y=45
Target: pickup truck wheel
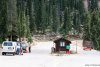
x=13 y=53
x=2 y=53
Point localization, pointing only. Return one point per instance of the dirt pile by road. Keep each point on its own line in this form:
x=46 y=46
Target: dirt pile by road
x=52 y=37
x=48 y=37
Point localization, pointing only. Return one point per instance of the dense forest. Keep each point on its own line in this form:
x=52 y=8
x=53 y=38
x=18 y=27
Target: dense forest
x=24 y=18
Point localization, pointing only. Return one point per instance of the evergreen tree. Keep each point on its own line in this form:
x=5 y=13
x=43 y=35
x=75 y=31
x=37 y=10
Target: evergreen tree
x=67 y=23
x=30 y=13
x=95 y=29
x=12 y=19
x=3 y=20
x=91 y=28
x=38 y=14
x=92 y=5
x=54 y=19
x=23 y=24
x=87 y=22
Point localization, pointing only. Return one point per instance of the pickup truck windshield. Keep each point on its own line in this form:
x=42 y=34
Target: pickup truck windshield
x=7 y=44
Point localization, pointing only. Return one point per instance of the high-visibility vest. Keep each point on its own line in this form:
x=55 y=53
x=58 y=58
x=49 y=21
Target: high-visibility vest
x=67 y=47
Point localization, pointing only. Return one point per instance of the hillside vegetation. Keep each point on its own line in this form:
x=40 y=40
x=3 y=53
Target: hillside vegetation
x=21 y=19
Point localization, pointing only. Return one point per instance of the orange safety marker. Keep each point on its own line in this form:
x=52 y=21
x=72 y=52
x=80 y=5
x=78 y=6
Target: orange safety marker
x=26 y=51
x=67 y=52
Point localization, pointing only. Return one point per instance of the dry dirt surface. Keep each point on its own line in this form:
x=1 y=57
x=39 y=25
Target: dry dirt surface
x=41 y=57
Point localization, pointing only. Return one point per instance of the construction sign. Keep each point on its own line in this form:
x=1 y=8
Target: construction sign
x=87 y=43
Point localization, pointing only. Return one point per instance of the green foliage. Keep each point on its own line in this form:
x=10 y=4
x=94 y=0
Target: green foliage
x=24 y=18
x=92 y=5
x=92 y=28
x=3 y=20
x=87 y=26
x=67 y=23
x=54 y=19
x=30 y=40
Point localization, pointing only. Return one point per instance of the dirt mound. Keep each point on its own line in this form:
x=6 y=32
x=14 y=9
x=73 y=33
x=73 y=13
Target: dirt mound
x=73 y=37
x=52 y=37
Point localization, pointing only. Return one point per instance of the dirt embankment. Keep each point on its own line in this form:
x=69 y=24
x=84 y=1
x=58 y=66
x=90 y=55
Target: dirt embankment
x=52 y=37
x=45 y=37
